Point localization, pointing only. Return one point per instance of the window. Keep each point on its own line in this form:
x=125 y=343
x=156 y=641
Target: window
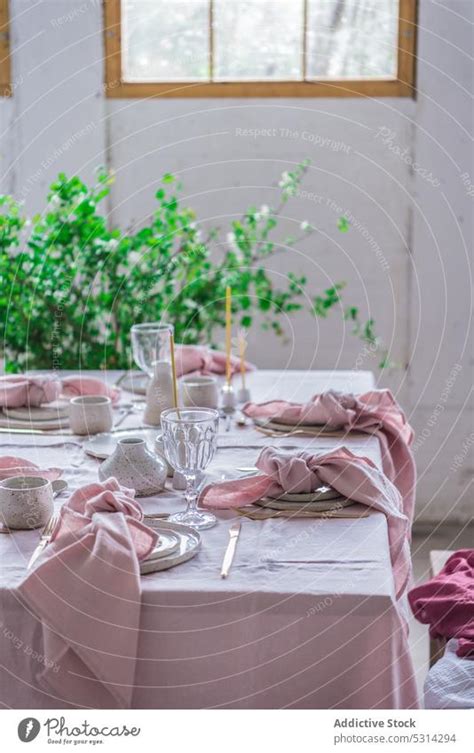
x=259 y=48
x=5 y=85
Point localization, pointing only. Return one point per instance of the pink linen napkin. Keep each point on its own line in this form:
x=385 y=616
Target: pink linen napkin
x=75 y=386
x=375 y=412
x=354 y=477
x=446 y=602
x=18 y=390
x=86 y=592
x=192 y=359
x=11 y=466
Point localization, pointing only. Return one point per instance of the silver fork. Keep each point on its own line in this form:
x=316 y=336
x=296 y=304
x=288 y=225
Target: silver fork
x=44 y=540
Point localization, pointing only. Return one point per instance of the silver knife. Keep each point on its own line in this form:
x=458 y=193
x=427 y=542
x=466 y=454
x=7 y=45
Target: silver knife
x=44 y=540
x=234 y=532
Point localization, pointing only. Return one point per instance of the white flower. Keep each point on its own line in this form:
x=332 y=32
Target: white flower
x=54 y=202
x=232 y=242
x=263 y=213
x=285 y=179
x=112 y=244
x=134 y=257
x=122 y=270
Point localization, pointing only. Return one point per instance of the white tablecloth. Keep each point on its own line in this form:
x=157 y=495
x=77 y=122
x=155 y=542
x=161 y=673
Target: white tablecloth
x=307 y=619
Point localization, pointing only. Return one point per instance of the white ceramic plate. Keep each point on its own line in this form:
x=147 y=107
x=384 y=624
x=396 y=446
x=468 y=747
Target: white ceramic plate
x=135 y=382
x=319 y=495
x=267 y=423
x=15 y=423
x=102 y=445
x=40 y=413
x=275 y=504
x=168 y=543
x=189 y=543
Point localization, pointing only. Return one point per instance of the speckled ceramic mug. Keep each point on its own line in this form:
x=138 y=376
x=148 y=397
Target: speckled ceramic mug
x=90 y=414
x=199 y=391
x=25 y=502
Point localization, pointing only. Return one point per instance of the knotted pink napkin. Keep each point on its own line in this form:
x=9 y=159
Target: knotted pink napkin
x=11 y=466
x=446 y=602
x=86 y=592
x=354 y=477
x=75 y=386
x=192 y=359
x=18 y=390
x=375 y=412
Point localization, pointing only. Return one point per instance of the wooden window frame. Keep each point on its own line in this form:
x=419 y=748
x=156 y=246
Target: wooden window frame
x=5 y=71
x=401 y=86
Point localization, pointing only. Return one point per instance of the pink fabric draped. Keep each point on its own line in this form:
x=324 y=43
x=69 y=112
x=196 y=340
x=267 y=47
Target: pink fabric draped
x=13 y=466
x=17 y=390
x=75 y=386
x=356 y=478
x=192 y=359
x=446 y=602
x=86 y=592
x=375 y=412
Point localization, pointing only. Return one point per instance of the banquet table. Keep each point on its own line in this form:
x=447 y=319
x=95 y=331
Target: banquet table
x=307 y=618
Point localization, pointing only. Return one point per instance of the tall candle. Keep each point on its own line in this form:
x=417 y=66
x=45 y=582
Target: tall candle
x=228 y=332
x=242 y=348
x=173 y=369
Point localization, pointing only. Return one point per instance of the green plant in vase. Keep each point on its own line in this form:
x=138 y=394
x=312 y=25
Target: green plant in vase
x=71 y=288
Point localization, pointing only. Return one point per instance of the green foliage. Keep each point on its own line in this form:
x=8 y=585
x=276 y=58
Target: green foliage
x=71 y=289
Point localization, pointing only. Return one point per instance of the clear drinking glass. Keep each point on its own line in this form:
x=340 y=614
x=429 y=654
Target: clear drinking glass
x=190 y=443
x=150 y=343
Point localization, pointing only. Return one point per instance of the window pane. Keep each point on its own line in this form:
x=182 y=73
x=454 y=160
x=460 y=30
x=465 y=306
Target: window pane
x=165 y=40
x=352 y=38
x=258 y=40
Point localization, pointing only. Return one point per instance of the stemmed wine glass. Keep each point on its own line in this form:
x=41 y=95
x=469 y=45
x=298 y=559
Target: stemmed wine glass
x=190 y=443
x=150 y=343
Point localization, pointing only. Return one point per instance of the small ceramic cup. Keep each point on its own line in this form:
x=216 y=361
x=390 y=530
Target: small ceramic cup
x=199 y=392
x=90 y=414
x=160 y=451
x=25 y=502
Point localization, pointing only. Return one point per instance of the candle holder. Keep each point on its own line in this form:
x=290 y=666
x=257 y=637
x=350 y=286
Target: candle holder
x=243 y=395
x=228 y=403
x=228 y=399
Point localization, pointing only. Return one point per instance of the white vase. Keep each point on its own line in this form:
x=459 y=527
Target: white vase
x=134 y=466
x=159 y=394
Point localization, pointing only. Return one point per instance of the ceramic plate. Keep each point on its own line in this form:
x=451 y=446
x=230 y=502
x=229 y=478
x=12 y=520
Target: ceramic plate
x=135 y=382
x=319 y=495
x=41 y=413
x=46 y=425
x=168 y=543
x=267 y=423
x=189 y=543
x=275 y=504
x=102 y=445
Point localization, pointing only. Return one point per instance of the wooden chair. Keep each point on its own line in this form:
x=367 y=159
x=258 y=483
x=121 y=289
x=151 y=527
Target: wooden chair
x=438 y=559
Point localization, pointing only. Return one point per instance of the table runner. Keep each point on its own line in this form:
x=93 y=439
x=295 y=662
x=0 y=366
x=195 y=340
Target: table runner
x=307 y=619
